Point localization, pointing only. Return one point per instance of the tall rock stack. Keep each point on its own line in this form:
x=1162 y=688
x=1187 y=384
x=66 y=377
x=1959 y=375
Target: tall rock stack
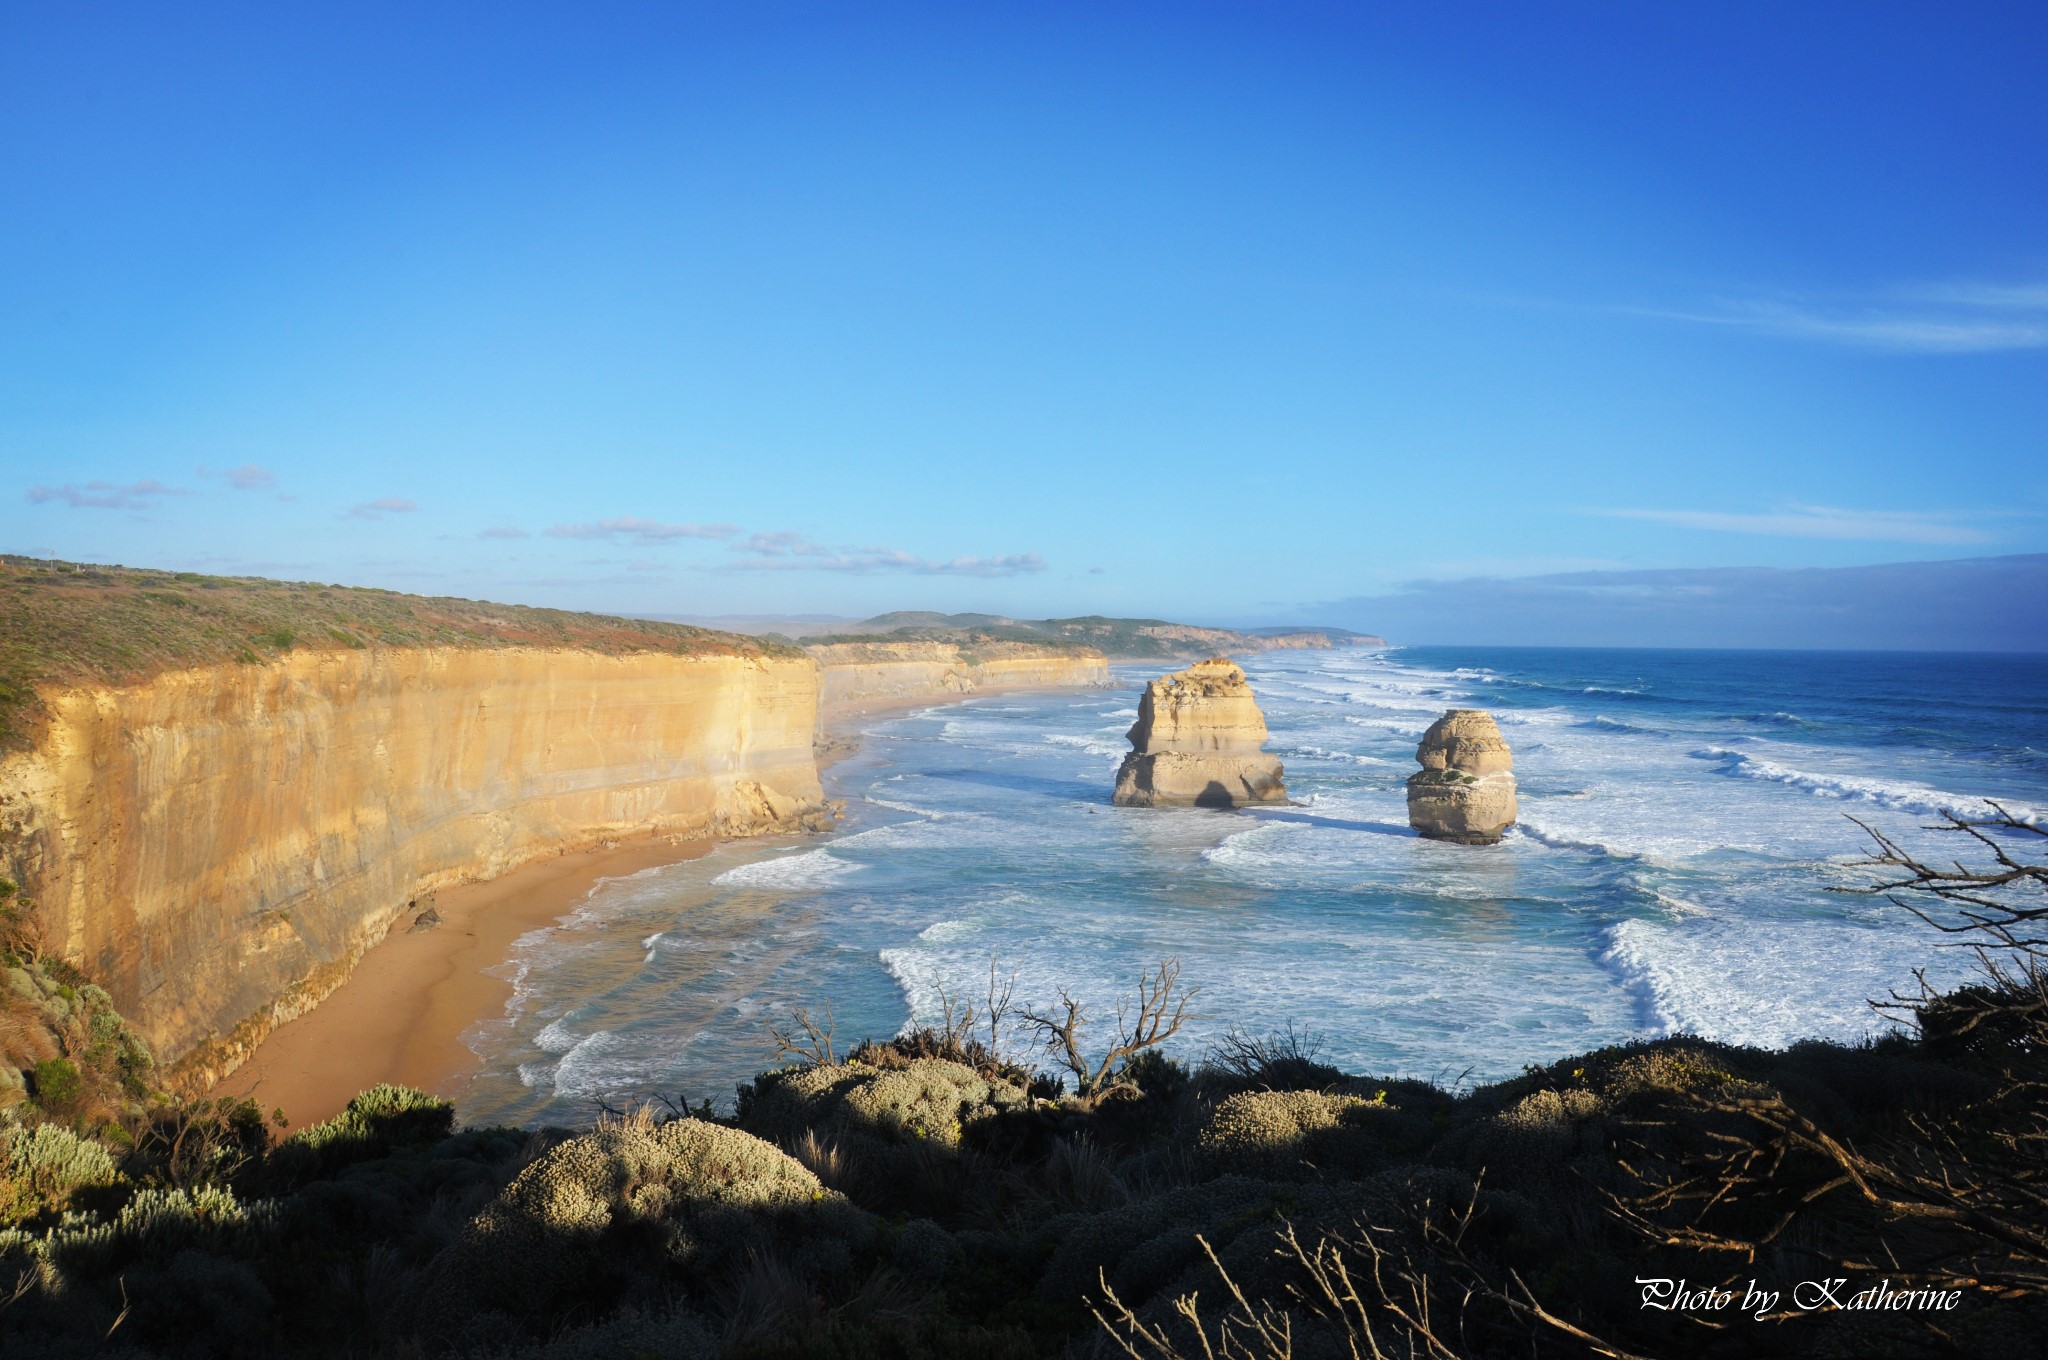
x=1197 y=742
x=1466 y=789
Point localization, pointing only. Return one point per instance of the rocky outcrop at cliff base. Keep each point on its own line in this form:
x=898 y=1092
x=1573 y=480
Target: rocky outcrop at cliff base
x=1197 y=743
x=1465 y=791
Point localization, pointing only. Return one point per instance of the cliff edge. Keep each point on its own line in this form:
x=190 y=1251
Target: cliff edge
x=1197 y=743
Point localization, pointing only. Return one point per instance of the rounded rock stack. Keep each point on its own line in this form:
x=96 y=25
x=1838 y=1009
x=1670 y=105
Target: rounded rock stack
x=1196 y=744
x=1466 y=789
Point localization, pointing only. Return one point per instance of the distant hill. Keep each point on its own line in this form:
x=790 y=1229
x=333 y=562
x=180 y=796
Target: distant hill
x=1128 y=639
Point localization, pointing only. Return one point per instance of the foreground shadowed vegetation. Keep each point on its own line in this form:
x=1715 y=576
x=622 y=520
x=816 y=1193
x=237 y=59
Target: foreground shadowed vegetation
x=937 y=1195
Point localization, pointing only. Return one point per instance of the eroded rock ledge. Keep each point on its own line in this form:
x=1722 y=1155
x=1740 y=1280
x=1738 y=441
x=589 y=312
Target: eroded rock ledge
x=1197 y=743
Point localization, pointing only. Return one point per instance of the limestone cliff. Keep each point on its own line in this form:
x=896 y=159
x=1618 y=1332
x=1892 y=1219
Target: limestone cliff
x=866 y=672
x=218 y=845
x=1197 y=742
x=1465 y=791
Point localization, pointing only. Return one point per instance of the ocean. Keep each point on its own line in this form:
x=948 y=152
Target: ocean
x=1685 y=822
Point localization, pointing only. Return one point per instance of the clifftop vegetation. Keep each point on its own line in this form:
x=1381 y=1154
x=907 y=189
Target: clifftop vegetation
x=67 y=622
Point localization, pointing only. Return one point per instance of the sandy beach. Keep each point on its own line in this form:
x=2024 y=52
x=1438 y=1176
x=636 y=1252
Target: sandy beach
x=400 y=1016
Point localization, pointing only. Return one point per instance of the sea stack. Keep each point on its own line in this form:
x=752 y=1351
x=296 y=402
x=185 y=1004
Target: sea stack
x=1196 y=744
x=1466 y=790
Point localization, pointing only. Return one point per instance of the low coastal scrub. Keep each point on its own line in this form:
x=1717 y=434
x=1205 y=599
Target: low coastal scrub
x=75 y=623
x=936 y=1194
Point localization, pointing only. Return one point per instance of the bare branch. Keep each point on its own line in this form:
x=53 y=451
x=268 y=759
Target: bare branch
x=1150 y=1018
x=806 y=1039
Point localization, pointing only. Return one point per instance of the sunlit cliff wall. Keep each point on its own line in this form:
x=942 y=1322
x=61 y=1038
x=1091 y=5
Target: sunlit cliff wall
x=218 y=846
x=859 y=672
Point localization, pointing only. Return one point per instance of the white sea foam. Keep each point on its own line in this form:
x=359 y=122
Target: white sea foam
x=592 y=1067
x=1406 y=727
x=556 y=1037
x=810 y=869
x=1559 y=839
x=1094 y=746
x=1893 y=795
x=912 y=809
x=1325 y=753
x=1756 y=983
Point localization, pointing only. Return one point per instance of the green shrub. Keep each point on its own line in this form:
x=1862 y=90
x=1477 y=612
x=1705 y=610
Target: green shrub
x=375 y=1124
x=55 y=1083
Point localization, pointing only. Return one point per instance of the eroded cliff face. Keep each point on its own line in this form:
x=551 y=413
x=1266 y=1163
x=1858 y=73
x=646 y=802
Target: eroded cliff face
x=863 y=672
x=1198 y=743
x=218 y=846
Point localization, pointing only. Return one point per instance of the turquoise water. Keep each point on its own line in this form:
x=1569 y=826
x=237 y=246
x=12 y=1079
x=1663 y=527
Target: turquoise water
x=1683 y=819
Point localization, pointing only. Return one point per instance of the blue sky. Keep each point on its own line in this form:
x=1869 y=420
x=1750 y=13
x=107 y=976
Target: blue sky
x=1207 y=311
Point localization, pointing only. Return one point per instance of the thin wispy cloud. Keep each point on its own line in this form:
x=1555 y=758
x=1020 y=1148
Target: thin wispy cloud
x=142 y=495
x=1952 y=318
x=504 y=531
x=247 y=477
x=2023 y=297
x=383 y=505
x=781 y=543
x=870 y=561
x=1820 y=521
x=638 y=530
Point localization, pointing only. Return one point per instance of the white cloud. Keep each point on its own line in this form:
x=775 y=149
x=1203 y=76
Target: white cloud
x=504 y=531
x=642 y=530
x=1819 y=521
x=142 y=495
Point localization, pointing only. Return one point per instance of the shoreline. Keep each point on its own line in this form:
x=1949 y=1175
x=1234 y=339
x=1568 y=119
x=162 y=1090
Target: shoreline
x=839 y=737
x=402 y=1013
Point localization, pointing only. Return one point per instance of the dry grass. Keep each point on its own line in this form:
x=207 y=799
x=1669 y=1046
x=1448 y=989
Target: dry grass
x=65 y=622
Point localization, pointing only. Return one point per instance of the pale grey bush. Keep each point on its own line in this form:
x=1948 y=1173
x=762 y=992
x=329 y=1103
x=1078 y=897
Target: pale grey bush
x=635 y=1198
x=678 y=1334
x=154 y=1223
x=1288 y=1134
x=926 y=1100
x=1538 y=1134
x=49 y=1163
x=923 y=1250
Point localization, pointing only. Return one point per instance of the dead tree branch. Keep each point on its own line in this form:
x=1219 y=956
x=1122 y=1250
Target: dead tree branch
x=806 y=1039
x=1150 y=1018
